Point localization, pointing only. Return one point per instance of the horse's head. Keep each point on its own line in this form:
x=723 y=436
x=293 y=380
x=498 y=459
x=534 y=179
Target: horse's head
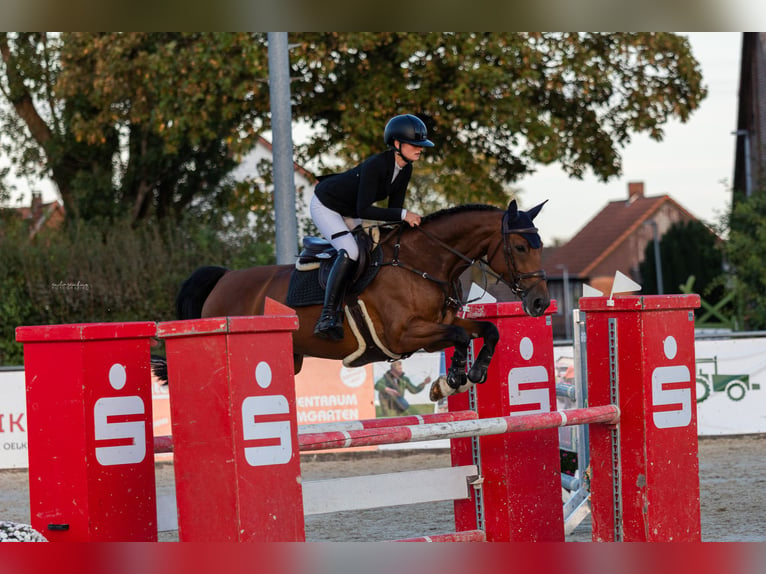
x=521 y=258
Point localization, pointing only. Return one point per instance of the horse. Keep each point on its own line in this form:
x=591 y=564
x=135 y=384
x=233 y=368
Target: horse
x=413 y=301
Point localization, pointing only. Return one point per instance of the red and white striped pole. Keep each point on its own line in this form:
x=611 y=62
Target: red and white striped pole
x=608 y=414
x=407 y=420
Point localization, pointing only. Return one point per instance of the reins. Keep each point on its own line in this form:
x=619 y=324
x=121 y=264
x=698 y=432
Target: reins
x=450 y=301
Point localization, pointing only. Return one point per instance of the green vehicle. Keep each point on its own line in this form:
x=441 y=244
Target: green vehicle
x=735 y=386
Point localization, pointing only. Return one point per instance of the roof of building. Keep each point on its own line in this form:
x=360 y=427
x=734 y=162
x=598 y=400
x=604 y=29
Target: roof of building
x=605 y=233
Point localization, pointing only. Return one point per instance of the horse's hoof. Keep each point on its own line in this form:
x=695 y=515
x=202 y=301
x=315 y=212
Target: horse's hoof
x=456 y=380
x=440 y=389
x=477 y=376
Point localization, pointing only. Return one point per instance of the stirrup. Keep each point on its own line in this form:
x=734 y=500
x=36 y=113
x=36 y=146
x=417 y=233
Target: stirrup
x=329 y=327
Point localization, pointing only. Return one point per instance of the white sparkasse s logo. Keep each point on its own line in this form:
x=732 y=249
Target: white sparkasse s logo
x=353 y=377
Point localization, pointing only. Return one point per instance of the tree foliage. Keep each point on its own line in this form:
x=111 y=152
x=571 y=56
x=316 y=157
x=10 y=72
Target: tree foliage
x=496 y=104
x=746 y=252
x=138 y=123
x=151 y=123
x=687 y=248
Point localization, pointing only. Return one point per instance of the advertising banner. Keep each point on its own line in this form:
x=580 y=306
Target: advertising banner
x=731 y=378
x=13 y=419
x=327 y=392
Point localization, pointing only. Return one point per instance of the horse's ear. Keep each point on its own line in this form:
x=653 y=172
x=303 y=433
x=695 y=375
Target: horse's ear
x=532 y=213
x=513 y=209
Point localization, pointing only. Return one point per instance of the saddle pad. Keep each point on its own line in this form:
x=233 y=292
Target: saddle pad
x=304 y=289
x=307 y=287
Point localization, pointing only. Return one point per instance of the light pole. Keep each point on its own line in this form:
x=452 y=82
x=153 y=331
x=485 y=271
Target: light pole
x=567 y=303
x=285 y=219
x=748 y=185
x=657 y=258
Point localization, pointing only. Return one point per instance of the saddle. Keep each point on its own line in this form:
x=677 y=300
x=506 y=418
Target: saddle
x=312 y=269
x=309 y=279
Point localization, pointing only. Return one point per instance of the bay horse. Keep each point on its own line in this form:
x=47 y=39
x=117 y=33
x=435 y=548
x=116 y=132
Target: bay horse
x=413 y=301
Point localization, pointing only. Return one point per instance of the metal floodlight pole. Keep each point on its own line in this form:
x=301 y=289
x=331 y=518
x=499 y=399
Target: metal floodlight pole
x=657 y=258
x=567 y=302
x=748 y=183
x=285 y=219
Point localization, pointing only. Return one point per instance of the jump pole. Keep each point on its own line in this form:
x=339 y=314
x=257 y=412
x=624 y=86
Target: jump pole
x=645 y=472
x=164 y=444
x=308 y=442
x=407 y=420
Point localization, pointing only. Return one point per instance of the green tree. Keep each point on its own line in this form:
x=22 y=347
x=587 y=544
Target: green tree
x=151 y=123
x=687 y=248
x=746 y=252
x=496 y=104
x=138 y=123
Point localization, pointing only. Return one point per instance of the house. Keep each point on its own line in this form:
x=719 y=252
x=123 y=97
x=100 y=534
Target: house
x=304 y=179
x=39 y=215
x=750 y=153
x=614 y=240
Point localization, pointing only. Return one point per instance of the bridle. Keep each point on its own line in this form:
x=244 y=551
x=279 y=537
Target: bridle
x=510 y=261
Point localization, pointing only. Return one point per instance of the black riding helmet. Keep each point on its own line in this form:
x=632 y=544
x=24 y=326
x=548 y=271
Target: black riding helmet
x=408 y=129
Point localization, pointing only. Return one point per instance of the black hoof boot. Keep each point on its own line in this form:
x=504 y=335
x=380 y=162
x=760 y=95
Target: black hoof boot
x=456 y=377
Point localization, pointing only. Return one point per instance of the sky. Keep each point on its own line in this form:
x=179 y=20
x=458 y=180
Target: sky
x=693 y=164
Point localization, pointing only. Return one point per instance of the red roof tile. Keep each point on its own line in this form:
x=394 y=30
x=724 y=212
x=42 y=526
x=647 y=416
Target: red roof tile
x=603 y=234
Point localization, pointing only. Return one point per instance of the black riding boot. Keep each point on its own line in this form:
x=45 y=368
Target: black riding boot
x=330 y=323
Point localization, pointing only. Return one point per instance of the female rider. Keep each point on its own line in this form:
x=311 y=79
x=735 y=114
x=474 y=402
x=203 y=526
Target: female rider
x=351 y=194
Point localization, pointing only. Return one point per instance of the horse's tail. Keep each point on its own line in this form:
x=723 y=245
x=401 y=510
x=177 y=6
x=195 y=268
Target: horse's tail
x=191 y=297
x=159 y=368
x=189 y=301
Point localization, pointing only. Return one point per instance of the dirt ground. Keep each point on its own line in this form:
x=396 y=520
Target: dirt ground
x=732 y=473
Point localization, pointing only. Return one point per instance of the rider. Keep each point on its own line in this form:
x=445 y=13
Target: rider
x=351 y=194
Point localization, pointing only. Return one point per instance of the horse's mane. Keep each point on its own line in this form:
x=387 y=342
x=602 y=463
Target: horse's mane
x=436 y=215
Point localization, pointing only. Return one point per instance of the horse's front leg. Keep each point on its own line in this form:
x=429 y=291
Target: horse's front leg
x=456 y=376
x=422 y=334
x=480 y=330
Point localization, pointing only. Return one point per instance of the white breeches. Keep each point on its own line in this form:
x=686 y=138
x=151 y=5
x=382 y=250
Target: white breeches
x=331 y=223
